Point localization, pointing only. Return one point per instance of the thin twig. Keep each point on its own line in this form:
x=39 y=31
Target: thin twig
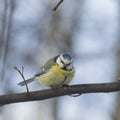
x=21 y=73
x=58 y=4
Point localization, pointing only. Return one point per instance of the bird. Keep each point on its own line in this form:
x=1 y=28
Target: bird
x=56 y=72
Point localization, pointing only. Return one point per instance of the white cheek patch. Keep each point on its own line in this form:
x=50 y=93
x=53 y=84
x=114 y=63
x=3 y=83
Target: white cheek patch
x=58 y=61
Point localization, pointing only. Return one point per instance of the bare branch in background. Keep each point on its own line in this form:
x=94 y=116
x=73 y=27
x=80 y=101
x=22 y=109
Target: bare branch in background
x=3 y=27
x=51 y=93
x=58 y=4
x=7 y=34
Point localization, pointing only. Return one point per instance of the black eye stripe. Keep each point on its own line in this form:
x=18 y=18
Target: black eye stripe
x=69 y=63
x=64 y=63
x=61 y=61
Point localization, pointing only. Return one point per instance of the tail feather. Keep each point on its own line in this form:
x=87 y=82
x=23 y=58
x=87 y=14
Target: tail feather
x=26 y=82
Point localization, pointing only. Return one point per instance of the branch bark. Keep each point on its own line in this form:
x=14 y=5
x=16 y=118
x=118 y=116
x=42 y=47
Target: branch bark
x=51 y=93
x=58 y=4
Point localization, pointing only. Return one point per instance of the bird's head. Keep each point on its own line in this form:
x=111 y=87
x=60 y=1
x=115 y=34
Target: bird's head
x=65 y=61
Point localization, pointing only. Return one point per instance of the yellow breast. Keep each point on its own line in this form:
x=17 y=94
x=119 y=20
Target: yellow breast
x=56 y=76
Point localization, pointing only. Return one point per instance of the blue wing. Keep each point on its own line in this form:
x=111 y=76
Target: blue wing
x=41 y=71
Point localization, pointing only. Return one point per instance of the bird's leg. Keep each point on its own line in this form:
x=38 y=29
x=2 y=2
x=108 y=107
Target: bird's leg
x=66 y=86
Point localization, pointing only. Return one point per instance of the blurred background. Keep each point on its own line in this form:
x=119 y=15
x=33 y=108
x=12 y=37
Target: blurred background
x=31 y=33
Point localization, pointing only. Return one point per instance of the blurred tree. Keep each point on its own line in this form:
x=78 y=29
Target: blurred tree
x=58 y=32
x=7 y=19
x=36 y=34
x=117 y=113
x=47 y=34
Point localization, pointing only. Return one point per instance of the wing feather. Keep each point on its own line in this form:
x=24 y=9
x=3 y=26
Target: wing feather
x=46 y=67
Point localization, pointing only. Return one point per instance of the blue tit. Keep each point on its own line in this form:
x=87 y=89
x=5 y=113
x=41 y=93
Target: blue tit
x=56 y=72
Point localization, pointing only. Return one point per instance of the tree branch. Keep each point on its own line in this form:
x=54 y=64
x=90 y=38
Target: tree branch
x=58 y=4
x=51 y=93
